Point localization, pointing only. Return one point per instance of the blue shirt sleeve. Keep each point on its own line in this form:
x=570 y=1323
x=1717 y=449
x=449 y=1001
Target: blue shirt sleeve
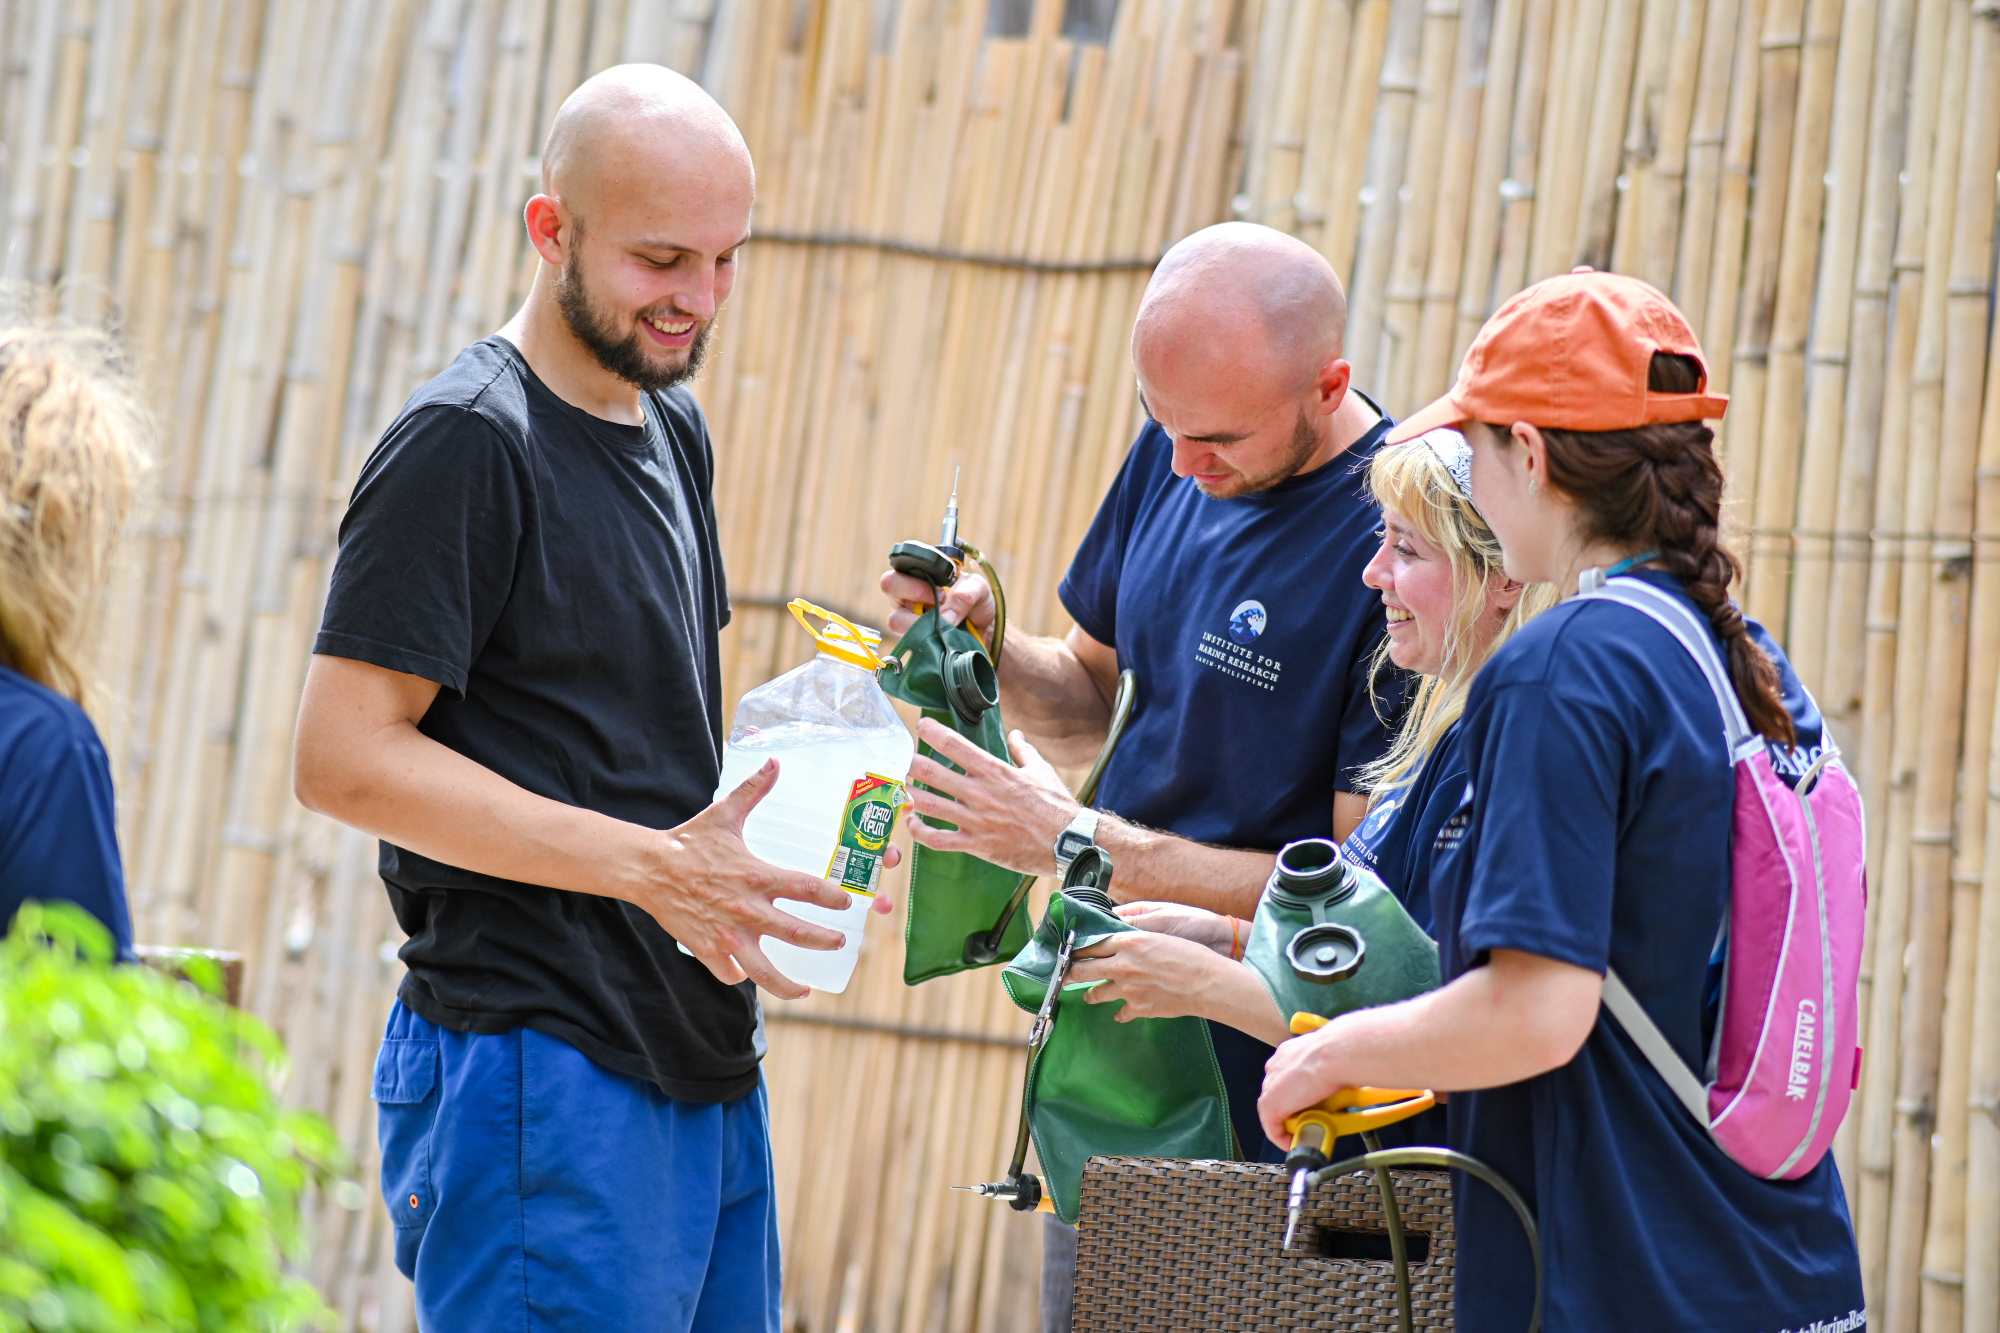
x=60 y=839
x=1089 y=591
x=1544 y=848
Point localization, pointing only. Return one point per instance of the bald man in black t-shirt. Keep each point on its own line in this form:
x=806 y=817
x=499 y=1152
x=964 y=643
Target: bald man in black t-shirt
x=516 y=687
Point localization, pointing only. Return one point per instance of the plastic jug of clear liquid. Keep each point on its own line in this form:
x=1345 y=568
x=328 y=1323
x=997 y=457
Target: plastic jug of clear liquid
x=843 y=755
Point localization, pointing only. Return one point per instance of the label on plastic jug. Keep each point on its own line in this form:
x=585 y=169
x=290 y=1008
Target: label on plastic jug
x=865 y=826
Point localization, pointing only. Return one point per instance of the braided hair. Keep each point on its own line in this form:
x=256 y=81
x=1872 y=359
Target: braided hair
x=1660 y=486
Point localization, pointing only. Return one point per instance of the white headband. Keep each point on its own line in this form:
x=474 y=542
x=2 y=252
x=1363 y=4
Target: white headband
x=1454 y=455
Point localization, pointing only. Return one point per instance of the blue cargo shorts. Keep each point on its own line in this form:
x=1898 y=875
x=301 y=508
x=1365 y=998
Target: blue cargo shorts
x=532 y=1189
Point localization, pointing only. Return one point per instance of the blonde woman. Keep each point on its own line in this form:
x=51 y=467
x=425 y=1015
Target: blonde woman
x=71 y=446
x=1437 y=570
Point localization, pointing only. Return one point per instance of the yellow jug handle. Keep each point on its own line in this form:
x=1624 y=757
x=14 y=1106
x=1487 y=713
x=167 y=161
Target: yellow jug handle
x=855 y=646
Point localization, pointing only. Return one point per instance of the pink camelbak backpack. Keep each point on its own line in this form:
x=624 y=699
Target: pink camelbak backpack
x=1786 y=1056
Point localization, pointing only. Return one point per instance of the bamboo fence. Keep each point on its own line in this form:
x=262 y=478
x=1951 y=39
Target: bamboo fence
x=297 y=211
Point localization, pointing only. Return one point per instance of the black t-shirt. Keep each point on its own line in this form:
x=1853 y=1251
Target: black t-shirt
x=559 y=576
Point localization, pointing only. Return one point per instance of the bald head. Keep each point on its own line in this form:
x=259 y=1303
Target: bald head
x=629 y=127
x=1238 y=289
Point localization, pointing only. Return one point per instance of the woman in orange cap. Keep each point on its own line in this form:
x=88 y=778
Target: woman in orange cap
x=1594 y=835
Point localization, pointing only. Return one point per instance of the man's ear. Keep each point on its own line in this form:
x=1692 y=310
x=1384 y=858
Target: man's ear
x=550 y=230
x=1335 y=376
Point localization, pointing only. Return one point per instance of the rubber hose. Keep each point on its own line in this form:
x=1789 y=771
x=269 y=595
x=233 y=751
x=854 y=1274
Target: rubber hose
x=999 y=600
x=1457 y=1161
x=1399 y=1254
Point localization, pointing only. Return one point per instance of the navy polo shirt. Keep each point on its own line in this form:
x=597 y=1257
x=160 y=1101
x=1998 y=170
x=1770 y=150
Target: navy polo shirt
x=1252 y=636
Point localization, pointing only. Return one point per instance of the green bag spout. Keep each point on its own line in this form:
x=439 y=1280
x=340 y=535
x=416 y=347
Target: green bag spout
x=946 y=672
x=1329 y=937
x=1096 y=1086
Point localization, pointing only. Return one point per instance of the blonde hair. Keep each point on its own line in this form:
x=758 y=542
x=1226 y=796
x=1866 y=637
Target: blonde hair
x=72 y=445
x=1411 y=481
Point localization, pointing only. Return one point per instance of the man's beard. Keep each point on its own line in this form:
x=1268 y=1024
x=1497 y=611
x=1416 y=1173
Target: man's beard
x=1304 y=442
x=624 y=357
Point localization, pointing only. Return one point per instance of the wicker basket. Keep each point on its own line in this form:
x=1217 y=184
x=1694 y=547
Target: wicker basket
x=1164 y=1244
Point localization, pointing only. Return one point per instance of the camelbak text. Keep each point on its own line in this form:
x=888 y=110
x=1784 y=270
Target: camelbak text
x=1802 y=1050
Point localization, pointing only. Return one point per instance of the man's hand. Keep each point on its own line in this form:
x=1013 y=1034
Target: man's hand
x=969 y=601
x=1007 y=815
x=1211 y=930
x=717 y=898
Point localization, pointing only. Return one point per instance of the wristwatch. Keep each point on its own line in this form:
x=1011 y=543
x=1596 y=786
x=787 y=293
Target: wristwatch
x=1072 y=842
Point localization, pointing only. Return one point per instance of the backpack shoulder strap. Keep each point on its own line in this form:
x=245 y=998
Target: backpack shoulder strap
x=1653 y=1044
x=1694 y=636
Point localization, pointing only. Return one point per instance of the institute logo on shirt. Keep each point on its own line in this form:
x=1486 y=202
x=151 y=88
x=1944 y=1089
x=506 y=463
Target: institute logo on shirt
x=1378 y=818
x=1246 y=622
x=1232 y=651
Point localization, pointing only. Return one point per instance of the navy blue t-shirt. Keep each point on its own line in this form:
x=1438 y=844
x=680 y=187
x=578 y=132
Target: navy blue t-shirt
x=1396 y=839
x=1594 y=830
x=1252 y=634
x=58 y=832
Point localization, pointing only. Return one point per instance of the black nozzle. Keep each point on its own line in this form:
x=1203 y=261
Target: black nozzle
x=1027 y=1193
x=933 y=564
x=971 y=684
x=1312 y=868
x=1325 y=952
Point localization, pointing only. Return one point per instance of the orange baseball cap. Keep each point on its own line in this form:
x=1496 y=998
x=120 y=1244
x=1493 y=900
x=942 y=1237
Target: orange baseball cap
x=1573 y=353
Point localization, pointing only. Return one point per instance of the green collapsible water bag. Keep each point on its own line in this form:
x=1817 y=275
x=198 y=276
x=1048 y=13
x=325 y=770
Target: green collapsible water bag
x=1329 y=937
x=945 y=671
x=1095 y=1086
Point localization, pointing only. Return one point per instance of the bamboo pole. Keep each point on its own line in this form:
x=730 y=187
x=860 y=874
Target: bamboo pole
x=24 y=192
x=1845 y=403
x=112 y=76
x=1656 y=130
x=1589 y=240
x=1723 y=259
x=1395 y=373
x=1576 y=40
x=59 y=175
x=1982 y=1173
x=1781 y=434
x=1888 y=757
x=1738 y=439
x=1518 y=190
x=1388 y=150
x=1968 y=297
x=1480 y=252
x=1344 y=160
x=1702 y=183
x=1848 y=628
x=1939 y=506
